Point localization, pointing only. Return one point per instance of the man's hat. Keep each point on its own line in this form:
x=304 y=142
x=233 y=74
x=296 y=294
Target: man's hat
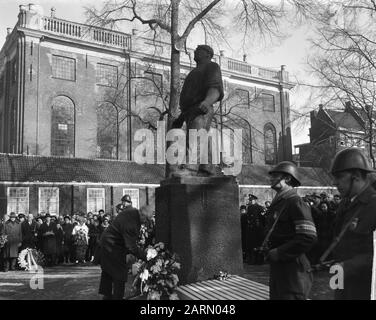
x=12 y=215
x=21 y=215
x=252 y=197
x=126 y=198
x=47 y=215
x=67 y=217
x=243 y=207
x=207 y=48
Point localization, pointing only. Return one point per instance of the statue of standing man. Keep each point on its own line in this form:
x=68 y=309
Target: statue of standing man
x=201 y=89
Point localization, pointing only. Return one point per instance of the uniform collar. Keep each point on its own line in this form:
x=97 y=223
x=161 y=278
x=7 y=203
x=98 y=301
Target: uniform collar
x=284 y=195
x=365 y=194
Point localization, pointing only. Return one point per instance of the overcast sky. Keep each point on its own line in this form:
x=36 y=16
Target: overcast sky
x=292 y=52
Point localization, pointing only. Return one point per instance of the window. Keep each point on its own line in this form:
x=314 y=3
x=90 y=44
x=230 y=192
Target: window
x=18 y=200
x=95 y=199
x=135 y=196
x=268 y=103
x=107 y=75
x=62 y=127
x=154 y=84
x=63 y=68
x=49 y=200
x=270 y=144
x=107 y=124
x=242 y=96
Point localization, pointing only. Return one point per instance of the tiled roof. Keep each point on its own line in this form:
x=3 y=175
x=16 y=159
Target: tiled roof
x=21 y=168
x=344 y=120
x=57 y=169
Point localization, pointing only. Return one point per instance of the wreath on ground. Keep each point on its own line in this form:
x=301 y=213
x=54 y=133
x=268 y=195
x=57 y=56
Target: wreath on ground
x=31 y=259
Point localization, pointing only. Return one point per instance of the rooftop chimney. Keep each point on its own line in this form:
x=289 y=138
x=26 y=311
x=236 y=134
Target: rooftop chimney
x=244 y=57
x=53 y=12
x=222 y=53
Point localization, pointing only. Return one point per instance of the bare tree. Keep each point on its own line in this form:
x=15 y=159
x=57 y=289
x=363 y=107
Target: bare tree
x=344 y=59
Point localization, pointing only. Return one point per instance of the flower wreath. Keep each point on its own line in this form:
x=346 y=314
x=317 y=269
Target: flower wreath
x=30 y=259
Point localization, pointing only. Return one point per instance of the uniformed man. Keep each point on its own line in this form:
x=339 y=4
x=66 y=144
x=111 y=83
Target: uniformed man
x=118 y=240
x=255 y=229
x=356 y=220
x=292 y=234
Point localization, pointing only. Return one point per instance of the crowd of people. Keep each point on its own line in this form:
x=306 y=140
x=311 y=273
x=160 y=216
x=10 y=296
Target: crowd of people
x=254 y=224
x=62 y=239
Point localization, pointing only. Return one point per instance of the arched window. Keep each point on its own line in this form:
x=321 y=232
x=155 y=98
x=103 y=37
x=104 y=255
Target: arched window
x=62 y=127
x=107 y=131
x=270 y=144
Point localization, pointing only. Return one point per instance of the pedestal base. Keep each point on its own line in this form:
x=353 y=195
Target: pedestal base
x=198 y=218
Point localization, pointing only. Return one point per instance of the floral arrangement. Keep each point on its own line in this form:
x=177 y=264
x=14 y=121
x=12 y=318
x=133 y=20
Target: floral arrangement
x=156 y=277
x=223 y=275
x=147 y=233
x=3 y=240
x=30 y=259
x=80 y=238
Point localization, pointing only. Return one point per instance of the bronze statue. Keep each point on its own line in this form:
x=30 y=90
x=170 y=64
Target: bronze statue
x=201 y=89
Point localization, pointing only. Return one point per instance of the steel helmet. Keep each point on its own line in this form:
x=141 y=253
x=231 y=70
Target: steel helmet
x=348 y=159
x=126 y=198
x=289 y=168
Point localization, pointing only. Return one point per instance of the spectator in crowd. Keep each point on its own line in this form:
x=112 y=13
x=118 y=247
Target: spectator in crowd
x=29 y=233
x=68 y=249
x=101 y=214
x=105 y=222
x=59 y=243
x=336 y=202
x=21 y=218
x=81 y=238
x=12 y=229
x=92 y=240
x=47 y=233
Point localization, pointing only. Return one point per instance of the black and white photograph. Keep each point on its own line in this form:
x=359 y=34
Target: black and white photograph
x=204 y=151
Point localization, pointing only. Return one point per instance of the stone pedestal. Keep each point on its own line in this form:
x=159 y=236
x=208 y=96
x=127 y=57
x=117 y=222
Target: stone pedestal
x=198 y=218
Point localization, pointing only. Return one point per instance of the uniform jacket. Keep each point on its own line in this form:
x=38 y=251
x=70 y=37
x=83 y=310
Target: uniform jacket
x=355 y=249
x=14 y=233
x=118 y=240
x=295 y=232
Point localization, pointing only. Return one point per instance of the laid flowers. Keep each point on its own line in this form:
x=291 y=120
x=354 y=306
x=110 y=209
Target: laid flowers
x=80 y=238
x=157 y=276
x=30 y=259
x=3 y=240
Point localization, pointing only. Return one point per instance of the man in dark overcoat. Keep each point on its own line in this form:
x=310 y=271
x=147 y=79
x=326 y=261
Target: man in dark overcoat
x=47 y=232
x=29 y=232
x=118 y=240
x=12 y=229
